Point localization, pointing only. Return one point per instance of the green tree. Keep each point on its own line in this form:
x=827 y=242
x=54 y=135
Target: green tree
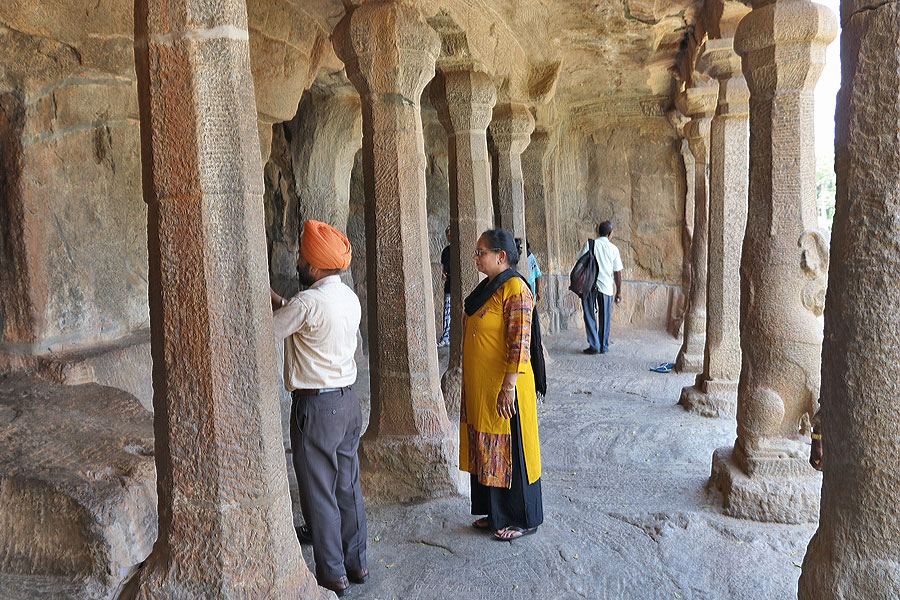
x=826 y=190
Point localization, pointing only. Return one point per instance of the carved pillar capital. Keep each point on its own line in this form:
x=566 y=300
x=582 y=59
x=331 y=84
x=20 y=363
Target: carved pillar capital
x=539 y=144
x=719 y=59
x=804 y=26
x=464 y=99
x=388 y=49
x=699 y=103
x=511 y=128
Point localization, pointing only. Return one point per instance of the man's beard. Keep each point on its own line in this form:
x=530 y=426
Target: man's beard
x=306 y=278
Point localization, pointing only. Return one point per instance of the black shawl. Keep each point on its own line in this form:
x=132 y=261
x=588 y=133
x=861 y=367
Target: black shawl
x=483 y=292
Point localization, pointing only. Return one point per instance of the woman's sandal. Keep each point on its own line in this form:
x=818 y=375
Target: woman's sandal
x=483 y=524
x=515 y=530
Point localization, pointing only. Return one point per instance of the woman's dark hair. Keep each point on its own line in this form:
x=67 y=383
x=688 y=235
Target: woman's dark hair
x=501 y=239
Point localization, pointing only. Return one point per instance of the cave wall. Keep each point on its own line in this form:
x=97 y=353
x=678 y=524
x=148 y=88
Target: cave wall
x=631 y=173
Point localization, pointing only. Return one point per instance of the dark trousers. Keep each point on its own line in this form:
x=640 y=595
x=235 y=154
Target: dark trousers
x=519 y=506
x=324 y=439
x=597 y=317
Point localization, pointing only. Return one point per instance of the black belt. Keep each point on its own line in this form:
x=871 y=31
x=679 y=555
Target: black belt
x=319 y=392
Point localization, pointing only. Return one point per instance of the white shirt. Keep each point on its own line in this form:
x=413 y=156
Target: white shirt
x=609 y=261
x=319 y=328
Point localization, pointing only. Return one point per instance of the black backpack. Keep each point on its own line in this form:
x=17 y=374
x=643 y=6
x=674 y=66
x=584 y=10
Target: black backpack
x=584 y=274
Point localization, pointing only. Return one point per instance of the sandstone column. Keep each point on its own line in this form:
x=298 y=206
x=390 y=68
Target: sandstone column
x=540 y=221
x=511 y=128
x=715 y=392
x=856 y=551
x=784 y=267
x=464 y=100
x=409 y=450
x=700 y=104
x=225 y=526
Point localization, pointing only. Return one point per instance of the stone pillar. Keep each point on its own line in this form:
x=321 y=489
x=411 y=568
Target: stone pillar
x=464 y=100
x=511 y=128
x=856 y=551
x=715 y=392
x=225 y=525
x=410 y=449
x=541 y=224
x=784 y=266
x=700 y=105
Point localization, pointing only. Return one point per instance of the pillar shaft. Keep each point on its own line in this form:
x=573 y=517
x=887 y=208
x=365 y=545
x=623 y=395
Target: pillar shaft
x=715 y=391
x=856 y=551
x=408 y=451
x=784 y=266
x=224 y=508
x=464 y=100
x=511 y=129
x=701 y=106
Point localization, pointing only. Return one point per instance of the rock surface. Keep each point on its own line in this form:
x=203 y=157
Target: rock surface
x=77 y=488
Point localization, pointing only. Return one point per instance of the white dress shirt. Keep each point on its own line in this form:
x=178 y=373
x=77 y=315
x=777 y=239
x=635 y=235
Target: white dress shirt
x=609 y=261
x=319 y=328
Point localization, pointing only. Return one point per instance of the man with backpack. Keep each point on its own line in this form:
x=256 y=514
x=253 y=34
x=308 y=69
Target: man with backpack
x=598 y=300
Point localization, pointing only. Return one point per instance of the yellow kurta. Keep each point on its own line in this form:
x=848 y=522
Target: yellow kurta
x=496 y=342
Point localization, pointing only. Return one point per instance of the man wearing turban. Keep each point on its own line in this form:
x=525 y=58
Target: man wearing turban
x=318 y=326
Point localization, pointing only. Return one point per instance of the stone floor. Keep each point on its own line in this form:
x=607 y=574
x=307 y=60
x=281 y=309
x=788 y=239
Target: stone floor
x=626 y=512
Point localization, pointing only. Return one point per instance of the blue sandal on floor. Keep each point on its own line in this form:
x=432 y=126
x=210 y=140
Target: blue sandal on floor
x=663 y=367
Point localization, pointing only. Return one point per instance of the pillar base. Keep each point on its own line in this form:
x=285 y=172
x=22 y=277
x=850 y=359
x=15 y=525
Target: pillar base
x=690 y=363
x=711 y=398
x=405 y=468
x=781 y=493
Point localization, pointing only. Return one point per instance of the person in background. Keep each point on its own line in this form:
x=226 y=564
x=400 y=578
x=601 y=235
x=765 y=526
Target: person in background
x=597 y=304
x=534 y=271
x=445 y=275
x=319 y=326
x=499 y=443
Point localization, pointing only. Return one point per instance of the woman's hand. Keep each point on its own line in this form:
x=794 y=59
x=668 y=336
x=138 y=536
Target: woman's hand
x=506 y=403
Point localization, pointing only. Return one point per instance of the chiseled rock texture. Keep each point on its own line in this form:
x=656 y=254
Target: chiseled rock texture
x=77 y=484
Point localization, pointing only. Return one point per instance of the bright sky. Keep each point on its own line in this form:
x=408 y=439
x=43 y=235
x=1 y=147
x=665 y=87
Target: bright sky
x=827 y=89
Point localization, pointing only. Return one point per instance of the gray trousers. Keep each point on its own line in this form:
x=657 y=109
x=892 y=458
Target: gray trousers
x=324 y=439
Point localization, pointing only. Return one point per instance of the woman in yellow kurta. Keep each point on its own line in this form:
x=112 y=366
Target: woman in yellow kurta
x=499 y=443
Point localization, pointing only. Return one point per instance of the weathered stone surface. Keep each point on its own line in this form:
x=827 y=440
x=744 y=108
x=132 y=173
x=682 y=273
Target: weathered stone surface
x=784 y=262
x=715 y=391
x=219 y=451
x=629 y=173
x=699 y=104
x=788 y=496
x=464 y=100
x=124 y=364
x=390 y=53
x=77 y=484
x=856 y=551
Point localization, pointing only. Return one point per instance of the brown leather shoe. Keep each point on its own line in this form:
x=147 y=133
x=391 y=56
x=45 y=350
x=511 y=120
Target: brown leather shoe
x=358 y=575
x=341 y=587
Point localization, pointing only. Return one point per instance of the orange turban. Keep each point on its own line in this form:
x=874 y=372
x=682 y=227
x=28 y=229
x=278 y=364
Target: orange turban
x=324 y=247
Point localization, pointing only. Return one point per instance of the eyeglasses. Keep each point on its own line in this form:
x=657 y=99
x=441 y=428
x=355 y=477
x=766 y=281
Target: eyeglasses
x=480 y=252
